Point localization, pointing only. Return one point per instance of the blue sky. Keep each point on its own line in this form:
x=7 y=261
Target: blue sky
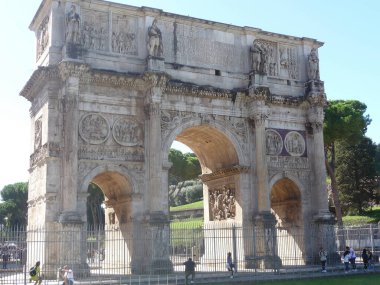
x=349 y=60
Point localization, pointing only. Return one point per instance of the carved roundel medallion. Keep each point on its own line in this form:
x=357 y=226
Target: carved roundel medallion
x=294 y=143
x=273 y=142
x=127 y=132
x=94 y=128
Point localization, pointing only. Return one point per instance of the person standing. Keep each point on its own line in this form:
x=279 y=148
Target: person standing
x=323 y=258
x=5 y=259
x=370 y=260
x=346 y=260
x=365 y=259
x=68 y=276
x=230 y=265
x=352 y=258
x=189 y=270
x=37 y=277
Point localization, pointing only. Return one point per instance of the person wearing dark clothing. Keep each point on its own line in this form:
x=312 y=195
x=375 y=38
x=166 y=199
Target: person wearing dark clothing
x=346 y=260
x=365 y=259
x=323 y=258
x=230 y=265
x=5 y=259
x=189 y=270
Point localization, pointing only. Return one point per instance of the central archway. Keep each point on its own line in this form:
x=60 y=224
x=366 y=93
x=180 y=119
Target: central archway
x=220 y=157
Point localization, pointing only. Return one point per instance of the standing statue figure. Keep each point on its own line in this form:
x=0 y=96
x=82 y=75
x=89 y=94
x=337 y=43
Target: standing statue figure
x=72 y=26
x=260 y=58
x=256 y=56
x=154 y=40
x=313 y=61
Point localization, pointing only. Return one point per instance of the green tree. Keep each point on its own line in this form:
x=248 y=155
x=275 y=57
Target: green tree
x=356 y=175
x=95 y=213
x=344 y=122
x=184 y=166
x=377 y=160
x=15 y=204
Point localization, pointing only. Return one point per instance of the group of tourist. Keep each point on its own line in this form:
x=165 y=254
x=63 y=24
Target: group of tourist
x=348 y=258
x=65 y=273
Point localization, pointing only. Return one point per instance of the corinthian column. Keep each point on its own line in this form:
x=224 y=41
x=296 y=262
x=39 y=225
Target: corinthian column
x=155 y=161
x=315 y=116
x=259 y=118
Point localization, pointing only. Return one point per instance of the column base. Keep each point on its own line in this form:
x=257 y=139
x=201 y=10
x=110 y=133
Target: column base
x=161 y=266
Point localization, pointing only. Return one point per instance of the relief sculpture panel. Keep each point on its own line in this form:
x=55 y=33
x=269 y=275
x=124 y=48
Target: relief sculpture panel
x=43 y=36
x=294 y=143
x=222 y=203
x=124 y=35
x=94 y=128
x=95 y=29
x=127 y=132
x=288 y=62
x=273 y=142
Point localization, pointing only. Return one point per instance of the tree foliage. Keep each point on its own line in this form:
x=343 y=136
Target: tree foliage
x=15 y=204
x=345 y=122
x=184 y=166
x=355 y=174
x=377 y=160
x=186 y=192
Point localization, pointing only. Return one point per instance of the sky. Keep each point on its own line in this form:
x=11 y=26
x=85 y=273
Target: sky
x=349 y=59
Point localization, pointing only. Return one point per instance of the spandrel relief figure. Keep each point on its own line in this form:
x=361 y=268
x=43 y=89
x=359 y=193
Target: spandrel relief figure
x=72 y=26
x=313 y=62
x=155 y=47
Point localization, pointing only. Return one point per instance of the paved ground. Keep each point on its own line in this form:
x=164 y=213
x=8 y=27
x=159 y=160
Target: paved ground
x=8 y=277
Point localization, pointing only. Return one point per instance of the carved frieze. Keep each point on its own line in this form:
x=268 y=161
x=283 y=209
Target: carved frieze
x=288 y=162
x=128 y=132
x=124 y=34
x=117 y=153
x=47 y=150
x=222 y=203
x=95 y=27
x=294 y=143
x=94 y=128
x=223 y=173
x=42 y=36
x=175 y=87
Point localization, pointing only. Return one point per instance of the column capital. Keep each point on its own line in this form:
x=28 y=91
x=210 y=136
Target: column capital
x=153 y=109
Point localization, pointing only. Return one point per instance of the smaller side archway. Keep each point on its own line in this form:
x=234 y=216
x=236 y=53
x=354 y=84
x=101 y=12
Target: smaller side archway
x=286 y=205
x=119 y=208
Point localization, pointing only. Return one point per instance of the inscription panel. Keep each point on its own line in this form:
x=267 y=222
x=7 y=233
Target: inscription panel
x=196 y=47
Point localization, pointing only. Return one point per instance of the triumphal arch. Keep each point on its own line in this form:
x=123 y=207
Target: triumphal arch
x=117 y=84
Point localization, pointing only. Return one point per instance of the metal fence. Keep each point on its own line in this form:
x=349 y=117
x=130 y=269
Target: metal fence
x=108 y=254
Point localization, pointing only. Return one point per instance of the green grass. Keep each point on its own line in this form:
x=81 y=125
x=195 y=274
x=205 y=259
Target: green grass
x=195 y=205
x=368 y=279
x=187 y=224
x=371 y=216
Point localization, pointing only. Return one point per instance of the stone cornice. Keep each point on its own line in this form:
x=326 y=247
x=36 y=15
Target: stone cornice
x=39 y=78
x=220 y=173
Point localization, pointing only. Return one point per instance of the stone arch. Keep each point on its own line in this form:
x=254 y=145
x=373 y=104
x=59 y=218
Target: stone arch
x=286 y=205
x=285 y=197
x=118 y=187
x=226 y=137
